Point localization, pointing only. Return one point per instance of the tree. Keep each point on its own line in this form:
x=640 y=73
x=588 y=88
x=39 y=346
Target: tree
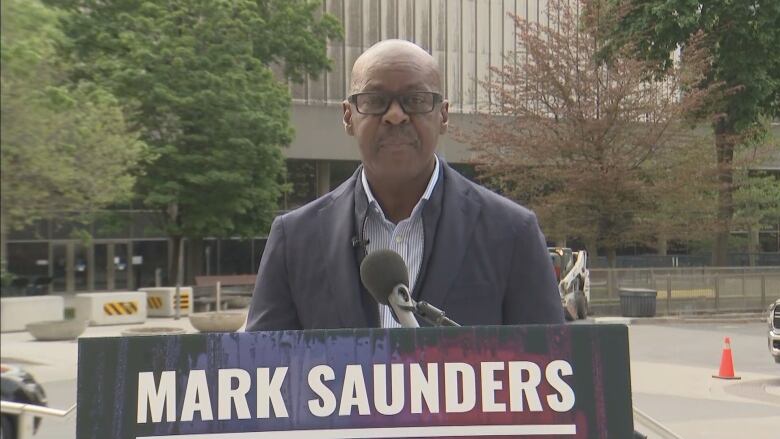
x=756 y=204
x=65 y=148
x=583 y=142
x=196 y=77
x=742 y=37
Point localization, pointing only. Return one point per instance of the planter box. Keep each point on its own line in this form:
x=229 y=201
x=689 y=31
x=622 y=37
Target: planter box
x=17 y=312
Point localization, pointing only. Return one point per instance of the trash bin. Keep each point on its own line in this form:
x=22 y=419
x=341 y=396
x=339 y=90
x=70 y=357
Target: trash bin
x=637 y=302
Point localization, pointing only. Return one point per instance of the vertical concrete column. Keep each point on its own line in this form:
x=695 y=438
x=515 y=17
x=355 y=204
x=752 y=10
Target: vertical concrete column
x=91 y=267
x=323 y=177
x=130 y=268
x=51 y=267
x=110 y=275
x=763 y=292
x=169 y=268
x=70 y=267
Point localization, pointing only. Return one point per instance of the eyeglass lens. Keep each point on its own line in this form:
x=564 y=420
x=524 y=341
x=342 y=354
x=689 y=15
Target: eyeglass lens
x=379 y=103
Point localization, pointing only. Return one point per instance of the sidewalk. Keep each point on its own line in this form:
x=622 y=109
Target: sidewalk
x=50 y=361
x=57 y=360
x=753 y=317
x=54 y=364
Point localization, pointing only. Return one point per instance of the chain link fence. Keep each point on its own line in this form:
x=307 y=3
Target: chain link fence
x=688 y=290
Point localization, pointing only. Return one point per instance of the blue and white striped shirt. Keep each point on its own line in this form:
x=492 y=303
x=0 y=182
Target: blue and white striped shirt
x=405 y=238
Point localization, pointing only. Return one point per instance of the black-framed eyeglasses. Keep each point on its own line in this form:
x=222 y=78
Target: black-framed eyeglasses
x=376 y=103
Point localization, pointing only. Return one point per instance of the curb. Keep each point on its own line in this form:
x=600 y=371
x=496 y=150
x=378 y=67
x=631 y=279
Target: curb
x=726 y=318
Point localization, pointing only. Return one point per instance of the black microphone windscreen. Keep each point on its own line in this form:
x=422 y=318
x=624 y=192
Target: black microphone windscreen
x=381 y=271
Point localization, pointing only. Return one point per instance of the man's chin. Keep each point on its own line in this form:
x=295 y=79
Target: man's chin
x=401 y=171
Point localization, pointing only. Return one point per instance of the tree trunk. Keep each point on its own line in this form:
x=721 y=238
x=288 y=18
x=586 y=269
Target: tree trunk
x=753 y=244
x=724 y=147
x=173 y=269
x=3 y=246
x=662 y=244
x=591 y=245
x=194 y=259
x=612 y=257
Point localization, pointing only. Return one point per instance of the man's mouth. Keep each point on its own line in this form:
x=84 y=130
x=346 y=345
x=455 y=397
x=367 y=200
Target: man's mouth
x=397 y=142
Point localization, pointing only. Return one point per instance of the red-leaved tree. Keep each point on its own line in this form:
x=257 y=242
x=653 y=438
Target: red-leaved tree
x=599 y=149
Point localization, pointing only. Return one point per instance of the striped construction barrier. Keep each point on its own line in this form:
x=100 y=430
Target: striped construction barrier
x=120 y=308
x=161 y=301
x=112 y=308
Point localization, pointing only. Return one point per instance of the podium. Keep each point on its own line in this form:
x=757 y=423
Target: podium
x=538 y=381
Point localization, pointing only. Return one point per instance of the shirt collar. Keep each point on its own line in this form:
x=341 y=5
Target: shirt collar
x=425 y=196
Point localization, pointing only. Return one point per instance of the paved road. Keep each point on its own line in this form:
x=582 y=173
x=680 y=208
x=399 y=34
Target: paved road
x=671 y=368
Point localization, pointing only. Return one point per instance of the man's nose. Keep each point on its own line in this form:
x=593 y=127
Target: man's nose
x=395 y=115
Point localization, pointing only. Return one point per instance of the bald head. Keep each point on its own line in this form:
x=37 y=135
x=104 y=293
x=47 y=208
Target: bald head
x=394 y=53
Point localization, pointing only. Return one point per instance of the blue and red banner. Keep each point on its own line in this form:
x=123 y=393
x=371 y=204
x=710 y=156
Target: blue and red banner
x=568 y=381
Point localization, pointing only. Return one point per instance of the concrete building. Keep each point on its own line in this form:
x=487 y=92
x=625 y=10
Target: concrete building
x=465 y=36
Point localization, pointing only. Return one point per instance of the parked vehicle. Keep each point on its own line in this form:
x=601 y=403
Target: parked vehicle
x=573 y=276
x=17 y=385
x=773 y=319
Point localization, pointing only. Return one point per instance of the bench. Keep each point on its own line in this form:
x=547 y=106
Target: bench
x=229 y=280
x=207 y=304
x=205 y=294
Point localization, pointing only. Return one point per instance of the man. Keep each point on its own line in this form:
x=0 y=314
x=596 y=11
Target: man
x=470 y=252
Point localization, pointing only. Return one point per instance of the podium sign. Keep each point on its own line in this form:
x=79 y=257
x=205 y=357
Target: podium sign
x=567 y=381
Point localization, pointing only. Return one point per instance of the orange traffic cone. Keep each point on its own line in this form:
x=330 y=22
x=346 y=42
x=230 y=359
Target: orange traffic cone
x=726 y=371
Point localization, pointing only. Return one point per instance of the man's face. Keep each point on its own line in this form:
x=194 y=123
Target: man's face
x=396 y=146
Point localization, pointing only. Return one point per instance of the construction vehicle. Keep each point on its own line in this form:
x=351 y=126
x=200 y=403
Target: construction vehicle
x=571 y=272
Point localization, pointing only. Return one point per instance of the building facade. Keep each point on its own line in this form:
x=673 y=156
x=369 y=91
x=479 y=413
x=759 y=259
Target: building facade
x=125 y=250
x=466 y=37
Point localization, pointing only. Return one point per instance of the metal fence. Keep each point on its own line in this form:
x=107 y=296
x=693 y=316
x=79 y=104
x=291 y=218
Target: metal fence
x=690 y=290
x=768 y=259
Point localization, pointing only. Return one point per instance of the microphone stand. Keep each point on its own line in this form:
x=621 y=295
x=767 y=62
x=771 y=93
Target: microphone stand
x=433 y=315
x=403 y=305
x=405 y=308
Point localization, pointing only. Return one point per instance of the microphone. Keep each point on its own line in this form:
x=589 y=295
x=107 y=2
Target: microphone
x=384 y=274
x=359 y=243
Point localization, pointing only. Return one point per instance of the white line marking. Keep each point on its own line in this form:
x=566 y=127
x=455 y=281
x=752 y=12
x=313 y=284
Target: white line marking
x=392 y=432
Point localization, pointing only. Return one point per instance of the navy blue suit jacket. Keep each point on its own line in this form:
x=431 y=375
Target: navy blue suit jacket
x=485 y=262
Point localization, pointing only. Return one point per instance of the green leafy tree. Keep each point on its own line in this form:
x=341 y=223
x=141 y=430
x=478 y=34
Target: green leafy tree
x=756 y=205
x=65 y=148
x=743 y=37
x=197 y=80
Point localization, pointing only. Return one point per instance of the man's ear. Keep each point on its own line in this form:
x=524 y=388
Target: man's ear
x=445 y=116
x=348 y=118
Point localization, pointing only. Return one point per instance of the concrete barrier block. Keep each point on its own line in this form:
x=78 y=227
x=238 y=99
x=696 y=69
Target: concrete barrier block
x=112 y=308
x=160 y=301
x=17 y=312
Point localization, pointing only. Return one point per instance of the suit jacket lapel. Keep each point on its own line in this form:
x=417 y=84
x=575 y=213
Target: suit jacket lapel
x=446 y=240
x=337 y=227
